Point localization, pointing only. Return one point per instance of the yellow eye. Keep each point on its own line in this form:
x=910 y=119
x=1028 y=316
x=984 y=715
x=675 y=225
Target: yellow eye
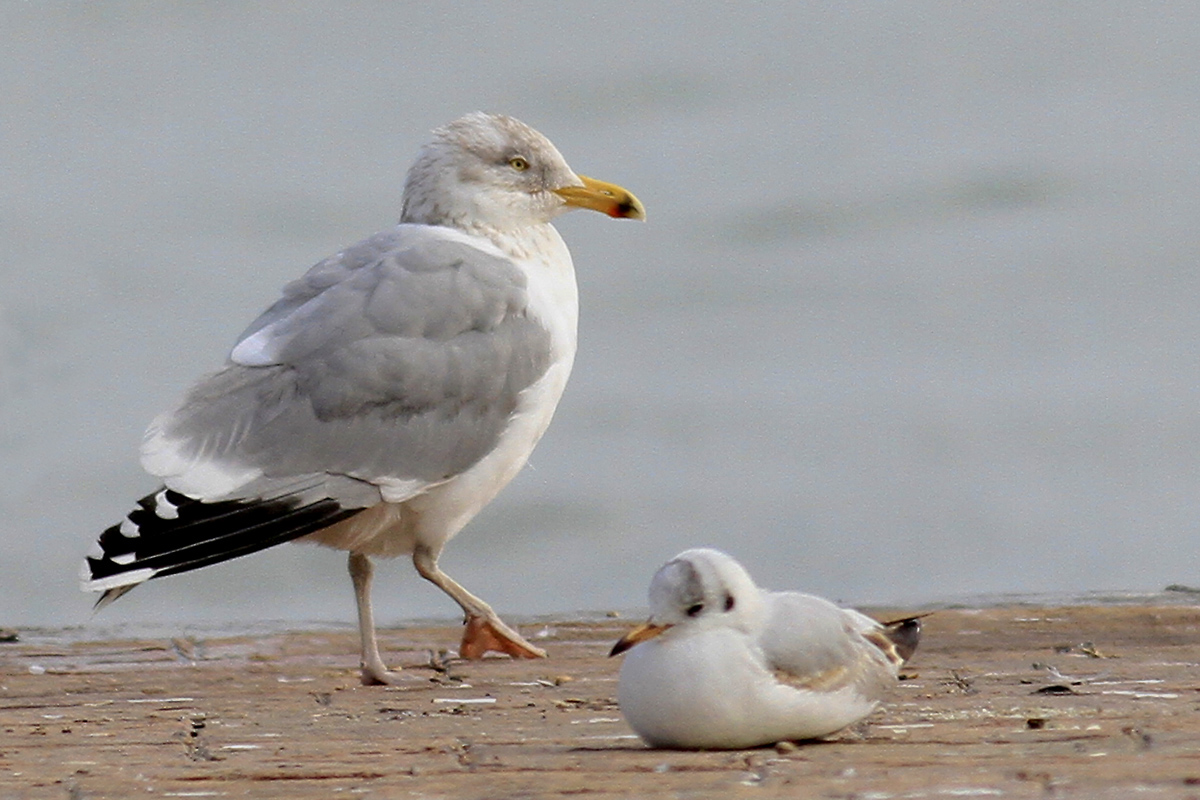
x=518 y=163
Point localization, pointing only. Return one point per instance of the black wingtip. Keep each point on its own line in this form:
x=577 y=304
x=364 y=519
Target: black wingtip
x=169 y=533
x=111 y=596
x=905 y=634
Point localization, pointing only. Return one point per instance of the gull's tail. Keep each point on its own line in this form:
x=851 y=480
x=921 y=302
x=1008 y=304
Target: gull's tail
x=169 y=533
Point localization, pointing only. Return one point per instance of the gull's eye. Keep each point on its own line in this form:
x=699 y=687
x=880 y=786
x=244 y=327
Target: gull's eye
x=729 y=602
x=518 y=163
x=694 y=610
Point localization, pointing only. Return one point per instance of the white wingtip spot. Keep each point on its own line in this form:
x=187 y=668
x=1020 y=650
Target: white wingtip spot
x=96 y=551
x=129 y=529
x=130 y=578
x=164 y=508
x=124 y=558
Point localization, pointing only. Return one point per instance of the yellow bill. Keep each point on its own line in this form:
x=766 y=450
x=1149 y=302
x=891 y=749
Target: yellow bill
x=607 y=198
x=638 y=635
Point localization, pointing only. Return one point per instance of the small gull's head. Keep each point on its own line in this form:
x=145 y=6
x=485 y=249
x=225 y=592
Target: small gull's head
x=699 y=589
x=487 y=171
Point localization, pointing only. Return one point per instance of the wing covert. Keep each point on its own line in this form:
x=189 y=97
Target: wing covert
x=401 y=359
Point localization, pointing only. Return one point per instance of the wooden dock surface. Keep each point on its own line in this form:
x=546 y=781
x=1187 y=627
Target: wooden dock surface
x=1010 y=702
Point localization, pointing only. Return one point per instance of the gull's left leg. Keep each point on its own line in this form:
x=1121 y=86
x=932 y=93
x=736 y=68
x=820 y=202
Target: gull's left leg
x=373 y=673
x=484 y=629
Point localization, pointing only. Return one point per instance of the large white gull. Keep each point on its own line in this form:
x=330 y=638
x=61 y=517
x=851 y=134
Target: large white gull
x=723 y=664
x=391 y=392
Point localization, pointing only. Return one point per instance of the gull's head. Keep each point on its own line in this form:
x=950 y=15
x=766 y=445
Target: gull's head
x=697 y=590
x=487 y=171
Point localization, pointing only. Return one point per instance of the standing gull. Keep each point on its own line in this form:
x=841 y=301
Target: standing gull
x=391 y=392
x=723 y=664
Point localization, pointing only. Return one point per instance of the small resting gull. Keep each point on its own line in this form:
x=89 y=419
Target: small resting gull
x=390 y=394
x=723 y=664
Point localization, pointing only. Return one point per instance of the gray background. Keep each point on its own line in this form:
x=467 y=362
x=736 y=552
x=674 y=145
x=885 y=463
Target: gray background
x=913 y=317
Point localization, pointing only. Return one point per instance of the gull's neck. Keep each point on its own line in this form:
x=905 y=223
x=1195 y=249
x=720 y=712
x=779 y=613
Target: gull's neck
x=521 y=244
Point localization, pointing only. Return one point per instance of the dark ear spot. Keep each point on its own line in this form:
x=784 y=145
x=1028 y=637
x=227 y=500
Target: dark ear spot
x=695 y=609
x=729 y=602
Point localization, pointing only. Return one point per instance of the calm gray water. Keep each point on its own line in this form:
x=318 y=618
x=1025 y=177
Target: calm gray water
x=914 y=315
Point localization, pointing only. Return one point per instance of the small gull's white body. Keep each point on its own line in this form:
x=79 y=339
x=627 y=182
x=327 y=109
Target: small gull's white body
x=391 y=392
x=723 y=664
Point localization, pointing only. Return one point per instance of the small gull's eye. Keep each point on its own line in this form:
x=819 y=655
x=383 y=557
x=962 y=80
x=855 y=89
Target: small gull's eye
x=695 y=609
x=729 y=602
x=518 y=163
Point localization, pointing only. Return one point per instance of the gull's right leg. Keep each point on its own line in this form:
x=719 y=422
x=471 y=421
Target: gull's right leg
x=374 y=673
